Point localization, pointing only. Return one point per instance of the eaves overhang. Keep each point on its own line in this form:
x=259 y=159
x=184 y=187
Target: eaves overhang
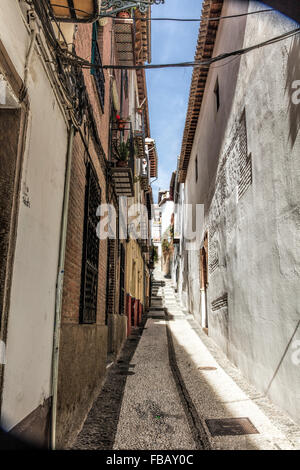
x=205 y=46
x=143 y=36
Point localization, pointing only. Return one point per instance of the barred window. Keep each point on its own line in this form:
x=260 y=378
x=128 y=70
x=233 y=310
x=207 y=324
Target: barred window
x=98 y=72
x=90 y=255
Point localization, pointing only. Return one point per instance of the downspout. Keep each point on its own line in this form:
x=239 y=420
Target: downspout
x=32 y=27
x=59 y=287
x=32 y=18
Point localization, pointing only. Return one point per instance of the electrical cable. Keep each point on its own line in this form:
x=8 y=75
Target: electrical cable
x=72 y=9
x=111 y=15
x=217 y=18
x=69 y=74
x=200 y=63
x=65 y=57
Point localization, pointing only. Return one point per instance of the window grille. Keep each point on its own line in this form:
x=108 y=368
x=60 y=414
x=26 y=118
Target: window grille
x=245 y=159
x=90 y=258
x=98 y=72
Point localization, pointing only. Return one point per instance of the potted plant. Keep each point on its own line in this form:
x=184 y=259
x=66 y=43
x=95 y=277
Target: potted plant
x=123 y=153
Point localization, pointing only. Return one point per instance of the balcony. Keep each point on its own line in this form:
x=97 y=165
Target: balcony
x=144 y=246
x=143 y=241
x=125 y=38
x=143 y=163
x=133 y=37
x=139 y=139
x=144 y=173
x=121 y=166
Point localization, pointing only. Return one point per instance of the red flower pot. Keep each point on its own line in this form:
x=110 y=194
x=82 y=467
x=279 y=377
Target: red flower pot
x=123 y=14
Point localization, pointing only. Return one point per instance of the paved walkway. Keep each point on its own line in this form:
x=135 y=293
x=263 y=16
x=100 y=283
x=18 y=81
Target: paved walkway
x=169 y=381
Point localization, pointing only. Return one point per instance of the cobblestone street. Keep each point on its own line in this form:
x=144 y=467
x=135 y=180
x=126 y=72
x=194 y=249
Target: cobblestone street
x=149 y=227
x=167 y=384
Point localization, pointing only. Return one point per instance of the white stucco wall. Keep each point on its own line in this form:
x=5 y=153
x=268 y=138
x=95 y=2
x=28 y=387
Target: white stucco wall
x=167 y=209
x=31 y=317
x=257 y=237
x=179 y=274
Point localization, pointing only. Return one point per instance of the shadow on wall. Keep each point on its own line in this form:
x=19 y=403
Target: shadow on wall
x=293 y=75
x=287 y=7
x=227 y=78
x=10 y=442
x=282 y=357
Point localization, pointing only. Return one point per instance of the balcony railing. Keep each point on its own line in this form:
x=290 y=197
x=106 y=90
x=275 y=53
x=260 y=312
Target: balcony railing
x=143 y=167
x=122 y=172
x=144 y=245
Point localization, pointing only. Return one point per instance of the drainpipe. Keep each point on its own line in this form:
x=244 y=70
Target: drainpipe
x=33 y=35
x=59 y=288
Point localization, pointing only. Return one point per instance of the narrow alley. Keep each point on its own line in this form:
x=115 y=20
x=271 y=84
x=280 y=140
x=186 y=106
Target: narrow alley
x=149 y=226
x=172 y=388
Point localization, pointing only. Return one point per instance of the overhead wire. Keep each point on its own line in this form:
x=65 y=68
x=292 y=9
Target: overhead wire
x=216 y=18
x=71 y=57
x=207 y=62
x=72 y=9
x=112 y=15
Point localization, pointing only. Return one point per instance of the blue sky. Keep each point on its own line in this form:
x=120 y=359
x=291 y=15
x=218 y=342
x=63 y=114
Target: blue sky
x=168 y=89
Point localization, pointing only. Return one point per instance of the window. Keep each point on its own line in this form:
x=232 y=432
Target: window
x=217 y=94
x=98 y=72
x=90 y=255
x=196 y=168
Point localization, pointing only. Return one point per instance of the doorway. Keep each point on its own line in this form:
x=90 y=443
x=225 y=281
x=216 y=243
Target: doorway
x=122 y=281
x=204 y=283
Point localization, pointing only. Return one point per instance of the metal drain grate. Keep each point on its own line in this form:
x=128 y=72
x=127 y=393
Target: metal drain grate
x=230 y=427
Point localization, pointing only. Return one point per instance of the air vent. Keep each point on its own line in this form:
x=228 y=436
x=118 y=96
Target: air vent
x=220 y=302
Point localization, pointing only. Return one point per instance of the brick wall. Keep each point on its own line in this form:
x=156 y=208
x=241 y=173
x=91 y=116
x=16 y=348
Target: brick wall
x=83 y=351
x=84 y=49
